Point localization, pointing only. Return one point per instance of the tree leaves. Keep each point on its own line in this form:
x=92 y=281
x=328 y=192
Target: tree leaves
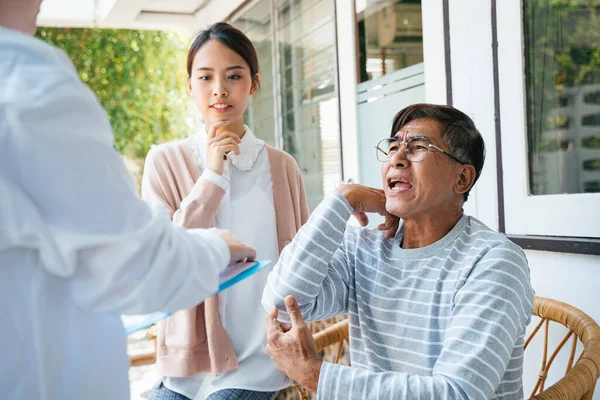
x=139 y=78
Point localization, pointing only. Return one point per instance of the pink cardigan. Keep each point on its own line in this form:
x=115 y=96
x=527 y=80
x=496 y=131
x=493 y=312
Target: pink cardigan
x=194 y=340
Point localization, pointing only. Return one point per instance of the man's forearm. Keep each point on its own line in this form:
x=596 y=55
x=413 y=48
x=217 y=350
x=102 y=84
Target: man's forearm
x=337 y=382
x=314 y=267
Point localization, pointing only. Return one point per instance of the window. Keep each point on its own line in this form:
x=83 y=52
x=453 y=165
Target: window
x=390 y=36
x=563 y=107
x=309 y=96
x=260 y=116
x=549 y=79
x=591 y=142
x=297 y=108
x=593 y=186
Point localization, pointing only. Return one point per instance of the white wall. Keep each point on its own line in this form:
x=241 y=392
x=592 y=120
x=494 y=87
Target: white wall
x=569 y=278
x=573 y=279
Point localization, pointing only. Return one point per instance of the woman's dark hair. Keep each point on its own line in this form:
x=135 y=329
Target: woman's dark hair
x=230 y=37
x=458 y=131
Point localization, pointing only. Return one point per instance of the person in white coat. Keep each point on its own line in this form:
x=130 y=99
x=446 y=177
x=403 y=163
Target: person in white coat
x=77 y=246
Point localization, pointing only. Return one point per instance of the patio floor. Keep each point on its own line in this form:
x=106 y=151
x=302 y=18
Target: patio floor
x=142 y=378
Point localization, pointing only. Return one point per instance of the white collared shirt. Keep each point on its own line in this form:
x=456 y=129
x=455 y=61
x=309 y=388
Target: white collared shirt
x=247 y=209
x=77 y=246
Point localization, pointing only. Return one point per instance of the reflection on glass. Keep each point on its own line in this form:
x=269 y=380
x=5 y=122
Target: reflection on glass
x=563 y=93
x=255 y=22
x=310 y=107
x=305 y=46
x=390 y=36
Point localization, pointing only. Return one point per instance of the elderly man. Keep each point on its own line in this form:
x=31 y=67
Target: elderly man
x=437 y=310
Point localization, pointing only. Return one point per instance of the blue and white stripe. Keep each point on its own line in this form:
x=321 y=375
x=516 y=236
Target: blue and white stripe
x=445 y=321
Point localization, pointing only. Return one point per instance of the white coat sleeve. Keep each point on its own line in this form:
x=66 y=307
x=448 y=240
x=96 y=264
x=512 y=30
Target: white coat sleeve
x=119 y=253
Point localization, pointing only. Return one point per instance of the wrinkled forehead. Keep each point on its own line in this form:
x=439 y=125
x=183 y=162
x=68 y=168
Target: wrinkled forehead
x=419 y=128
x=410 y=135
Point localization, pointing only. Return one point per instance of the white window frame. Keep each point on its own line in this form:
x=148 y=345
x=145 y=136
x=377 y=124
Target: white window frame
x=572 y=215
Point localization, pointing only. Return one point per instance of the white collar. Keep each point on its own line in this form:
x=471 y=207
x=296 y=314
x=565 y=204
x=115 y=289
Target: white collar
x=250 y=148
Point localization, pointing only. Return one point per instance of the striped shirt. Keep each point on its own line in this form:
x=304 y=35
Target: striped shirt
x=445 y=321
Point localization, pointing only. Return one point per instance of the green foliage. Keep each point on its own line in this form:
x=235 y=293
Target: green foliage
x=563 y=39
x=139 y=78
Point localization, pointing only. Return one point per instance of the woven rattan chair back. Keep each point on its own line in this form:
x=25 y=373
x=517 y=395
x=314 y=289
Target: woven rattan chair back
x=580 y=377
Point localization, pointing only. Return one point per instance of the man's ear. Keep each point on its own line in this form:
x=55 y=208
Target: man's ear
x=466 y=179
x=255 y=84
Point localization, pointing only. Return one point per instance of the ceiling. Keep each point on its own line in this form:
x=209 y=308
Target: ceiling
x=188 y=15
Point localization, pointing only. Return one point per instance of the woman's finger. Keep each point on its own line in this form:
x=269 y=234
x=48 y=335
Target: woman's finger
x=227 y=148
x=212 y=130
x=227 y=134
x=224 y=142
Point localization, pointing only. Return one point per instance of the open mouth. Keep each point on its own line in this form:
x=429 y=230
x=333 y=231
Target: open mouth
x=398 y=184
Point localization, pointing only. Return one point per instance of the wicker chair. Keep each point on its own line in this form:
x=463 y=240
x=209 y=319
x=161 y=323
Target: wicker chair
x=580 y=378
x=148 y=357
x=578 y=383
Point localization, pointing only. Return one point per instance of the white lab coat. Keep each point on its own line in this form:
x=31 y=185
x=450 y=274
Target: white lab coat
x=77 y=246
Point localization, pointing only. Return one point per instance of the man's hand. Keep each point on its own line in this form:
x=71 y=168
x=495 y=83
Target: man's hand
x=365 y=199
x=292 y=347
x=238 y=250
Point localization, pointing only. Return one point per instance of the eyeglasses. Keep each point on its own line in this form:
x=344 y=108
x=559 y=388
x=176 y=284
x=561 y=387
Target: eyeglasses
x=415 y=149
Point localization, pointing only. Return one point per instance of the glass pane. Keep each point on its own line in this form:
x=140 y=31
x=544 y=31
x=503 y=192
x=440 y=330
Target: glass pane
x=311 y=41
x=317 y=75
x=390 y=36
x=563 y=73
x=310 y=108
x=255 y=22
x=289 y=10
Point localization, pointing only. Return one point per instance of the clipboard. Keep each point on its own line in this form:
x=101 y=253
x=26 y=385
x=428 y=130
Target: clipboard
x=233 y=274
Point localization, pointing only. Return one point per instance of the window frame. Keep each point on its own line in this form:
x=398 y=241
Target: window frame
x=535 y=222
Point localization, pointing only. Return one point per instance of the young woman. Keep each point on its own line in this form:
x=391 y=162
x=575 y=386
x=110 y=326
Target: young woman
x=224 y=176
